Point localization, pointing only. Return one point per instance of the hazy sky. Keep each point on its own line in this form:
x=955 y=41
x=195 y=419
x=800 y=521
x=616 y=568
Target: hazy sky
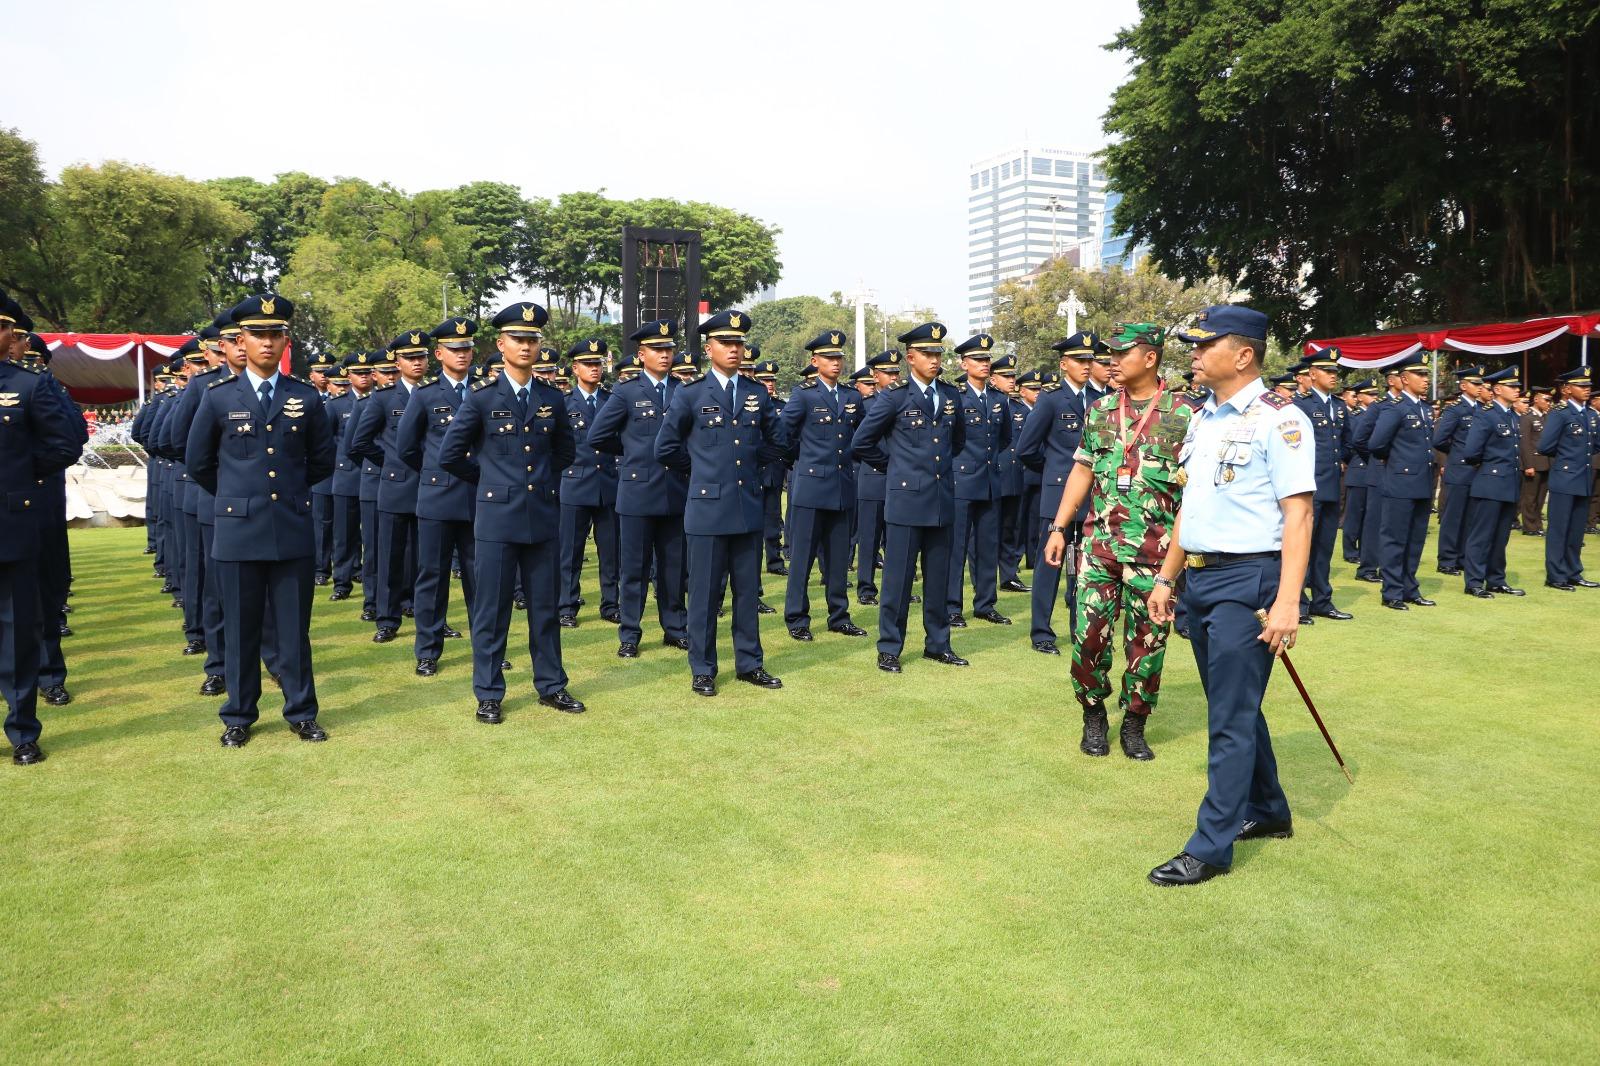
x=848 y=125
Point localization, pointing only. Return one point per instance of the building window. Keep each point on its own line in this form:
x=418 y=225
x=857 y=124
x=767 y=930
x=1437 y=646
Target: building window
x=1041 y=166
x=974 y=181
x=1016 y=165
x=1005 y=170
x=1063 y=169
x=986 y=179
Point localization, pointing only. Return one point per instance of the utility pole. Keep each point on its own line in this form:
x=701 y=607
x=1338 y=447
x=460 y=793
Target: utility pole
x=861 y=297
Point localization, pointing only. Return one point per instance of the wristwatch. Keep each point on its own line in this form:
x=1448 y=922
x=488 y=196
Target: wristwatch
x=1163 y=582
x=1055 y=529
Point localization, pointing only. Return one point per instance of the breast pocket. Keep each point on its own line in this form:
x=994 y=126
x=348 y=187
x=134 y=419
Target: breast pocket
x=241 y=440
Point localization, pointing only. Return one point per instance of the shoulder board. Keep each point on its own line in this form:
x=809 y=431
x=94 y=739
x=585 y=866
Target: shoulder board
x=897 y=384
x=481 y=383
x=1054 y=386
x=1391 y=399
x=427 y=381
x=25 y=369
x=301 y=381
x=383 y=388
x=219 y=381
x=697 y=379
x=208 y=371
x=1273 y=400
x=809 y=383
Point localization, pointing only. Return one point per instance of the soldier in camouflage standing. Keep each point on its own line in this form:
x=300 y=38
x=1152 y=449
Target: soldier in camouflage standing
x=1127 y=464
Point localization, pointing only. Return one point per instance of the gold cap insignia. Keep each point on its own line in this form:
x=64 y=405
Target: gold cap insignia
x=416 y=338
x=594 y=346
x=461 y=329
x=936 y=332
x=527 y=313
x=269 y=305
x=895 y=358
x=665 y=330
x=983 y=342
x=733 y=320
x=835 y=338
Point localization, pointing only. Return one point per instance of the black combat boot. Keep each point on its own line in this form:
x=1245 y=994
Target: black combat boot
x=1095 y=730
x=1133 y=745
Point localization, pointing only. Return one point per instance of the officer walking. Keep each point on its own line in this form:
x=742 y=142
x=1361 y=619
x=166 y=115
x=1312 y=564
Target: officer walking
x=1328 y=423
x=380 y=364
x=986 y=416
x=1450 y=437
x=1403 y=437
x=588 y=488
x=1244 y=532
x=913 y=432
x=885 y=371
x=1571 y=438
x=258 y=443
x=511 y=440
x=1535 y=467
x=1491 y=452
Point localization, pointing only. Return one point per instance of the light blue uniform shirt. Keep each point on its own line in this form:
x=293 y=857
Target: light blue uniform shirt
x=1241 y=458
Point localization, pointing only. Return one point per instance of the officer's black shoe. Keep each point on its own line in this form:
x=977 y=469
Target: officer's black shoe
x=915 y=598
x=455 y=572
x=1184 y=869
x=681 y=643
x=369 y=614
x=1046 y=647
x=339 y=594
x=800 y=633
x=236 y=736
x=489 y=712
x=1375 y=578
x=384 y=635
x=948 y=658
x=1506 y=590
x=1396 y=605
x=505 y=664
x=759 y=678
x=177 y=603
x=1096 y=730
x=149 y=551
x=1015 y=586
x=408 y=612
x=1481 y=593
x=1265 y=831
x=27 y=754
x=611 y=615
x=627 y=651
x=562 y=701
x=1420 y=601
x=889 y=664
x=214 y=685
x=1307 y=620
x=56 y=695
x=957 y=622
x=704 y=684
x=762 y=607
x=1132 y=736
x=195 y=647
x=1452 y=571
x=168 y=588
x=778 y=569
x=320 y=580
x=1584 y=583
x=1532 y=532
x=1591 y=529
x=357 y=579
x=427 y=667
x=64 y=630
x=450 y=631
x=1335 y=614
x=1562 y=585
x=867 y=599
x=848 y=629
x=569 y=621
x=993 y=618
x=520 y=602
x=1184 y=633
x=308 y=731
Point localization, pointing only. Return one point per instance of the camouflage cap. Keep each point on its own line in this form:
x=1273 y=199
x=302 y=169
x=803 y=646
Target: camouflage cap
x=1125 y=335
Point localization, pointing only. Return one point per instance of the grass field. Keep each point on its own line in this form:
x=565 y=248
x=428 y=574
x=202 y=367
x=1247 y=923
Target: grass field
x=857 y=868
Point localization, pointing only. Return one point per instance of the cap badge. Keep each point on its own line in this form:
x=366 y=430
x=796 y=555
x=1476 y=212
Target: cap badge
x=666 y=331
x=527 y=313
x=734 y=321
x=461 y=328
x=268 y=305
x=936 y=332
x=594 y=346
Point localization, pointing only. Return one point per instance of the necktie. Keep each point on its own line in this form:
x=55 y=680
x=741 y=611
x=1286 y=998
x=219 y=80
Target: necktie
x=591 y=406
x=661 y=394
x=933 y=402
x=265 y=392
x=522 y=402
x=461 y=392
x=733 y=395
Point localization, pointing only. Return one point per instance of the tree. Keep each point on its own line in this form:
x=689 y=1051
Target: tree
x=357 y=302
x=1366 y=162
x=495 y=219
x=281 y=214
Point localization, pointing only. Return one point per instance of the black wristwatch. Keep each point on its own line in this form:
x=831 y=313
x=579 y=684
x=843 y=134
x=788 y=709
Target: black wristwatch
x=1055 y=529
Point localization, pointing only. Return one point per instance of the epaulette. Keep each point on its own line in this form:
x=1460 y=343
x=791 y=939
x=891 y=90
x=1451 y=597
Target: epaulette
x=1273 y=400
x=383 y=388
x=899 y=383
x=211 y=370
x=809 y=383
x=481 y=383
x=427 y=381
x=1054 y=386
x=302 y=381
x=219 y=381
x=24 y=369
x=697 y=379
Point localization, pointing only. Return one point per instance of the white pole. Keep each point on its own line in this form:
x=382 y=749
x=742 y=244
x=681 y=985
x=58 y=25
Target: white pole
x=1583 y=351
x=138 y=363
x=861 y=333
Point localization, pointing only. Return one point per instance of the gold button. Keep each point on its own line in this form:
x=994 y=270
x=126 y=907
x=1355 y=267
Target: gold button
x=269 y=451
x=27 y=503
x=530 y=488
x=488 y=495
x=738 y=462
x=741 y=482
x=272 y=473
x=527 y=447
x=269 y=429
x=230 y=510
x=274 y=495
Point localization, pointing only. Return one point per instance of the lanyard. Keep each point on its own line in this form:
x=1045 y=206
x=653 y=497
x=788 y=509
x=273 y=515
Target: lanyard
x=1133 y=439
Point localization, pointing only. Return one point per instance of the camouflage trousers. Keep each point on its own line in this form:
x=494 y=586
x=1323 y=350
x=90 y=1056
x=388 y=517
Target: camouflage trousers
x=1105 y=591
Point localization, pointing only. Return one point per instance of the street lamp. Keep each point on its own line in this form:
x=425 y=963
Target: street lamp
x=861 y=297
x=1054 y=207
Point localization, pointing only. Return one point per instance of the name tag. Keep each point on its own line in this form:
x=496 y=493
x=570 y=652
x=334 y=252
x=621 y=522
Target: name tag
x=239 y=416
x=499 y=414
x=713 y=409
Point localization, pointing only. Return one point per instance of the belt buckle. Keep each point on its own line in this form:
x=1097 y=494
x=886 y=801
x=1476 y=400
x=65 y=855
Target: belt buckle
x=1195 y=562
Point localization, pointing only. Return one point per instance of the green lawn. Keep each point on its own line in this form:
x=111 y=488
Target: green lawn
x=858 y=868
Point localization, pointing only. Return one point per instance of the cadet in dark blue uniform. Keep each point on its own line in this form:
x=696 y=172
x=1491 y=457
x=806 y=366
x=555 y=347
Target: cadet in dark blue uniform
x=1049 y=441
x=512 y=439
x=383 y=372
x=258 y=443
x=718 y=430
x=1244 y=533
x=650 y=497
x=1003 y=379
x=174 y=430
x=348 y=478
x=1029 y=389
x=1328 y=416
x=819 y=422
x=885 y=370
x=322 y=492
x=588 y=488
x=913 y=433
x=1450 y=437
x=1571 y=438
x=986 y=416
x=1491 y=451
x=444 y=501
x=1357 y=478
x=1402 y=437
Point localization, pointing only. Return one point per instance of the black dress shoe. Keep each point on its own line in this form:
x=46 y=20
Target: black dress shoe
x=762 y=607
x=177 y=602
x=427 y=667
x=195 y=647
x=1184 y=869
x=1335 y=614
x=1376 y=579
x=1585 y=583
x=1015 y=586
x=1184 y=633
x=889 y=664
x=1046 y=647
x=369 y=614
x=519 y=602
x=759 y=678
x=568 y=621
x=408 y=612
x=1533 y=532
x=309 y=731
x=1396 y=605
x=505 y=664
x=27 y=754
x=627 y=651
x=779 y=570
x=1265 y=830
x=563 y=702
x=800 y=633
x=1562 y=585
x=1420 y=601
x=1591 y=529
x=384 y=635
x=339 y=594
x=1506 y=590
x=64 y=630
x=611 y=615
x=957 y=622
x=320 y=580
x=681 y=643
x=455 y=572
x=704 y=684
x=148 y=551
x=1481 y=593
x=1307 y=620
x=56 y=695
x=450 y=631
x=948 y=658
x=993 y=618
x=214 y=685
x=236 y=736
x=1095 y=732
x=1451 y=571
x=848 y=629
x=915 y=598
x=168 y=588
x=489 y=712
x=867 y=599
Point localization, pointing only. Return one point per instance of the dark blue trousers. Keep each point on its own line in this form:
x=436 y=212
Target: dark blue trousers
x=1563 y=538
x=1324 y=530
x=719 y=561
x=397 y=566
x=322 y=528
x=903 y=547
x=1241 y=772
x=19 y=648
x=1488 y=530
x=1011 y=538
x=824 y=536
x=1355 y=513
x=576 y=523
x=869 y=542
x=1047 y=582
x=1404 y=528
x=173 y=551
x=55 y=574
x=194 y=575
x=1371 y=535
x=437 y=543
x=369 y=554
x=254 y=591
x=1027 y=520
x=977 y=537
x=211 y=611
x=346 y=540
x=498 y=565
x=647 y=540
x=772 y=524
x=1452 y=524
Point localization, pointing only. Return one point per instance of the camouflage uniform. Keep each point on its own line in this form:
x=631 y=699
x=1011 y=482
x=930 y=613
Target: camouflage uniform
x=1126 y=539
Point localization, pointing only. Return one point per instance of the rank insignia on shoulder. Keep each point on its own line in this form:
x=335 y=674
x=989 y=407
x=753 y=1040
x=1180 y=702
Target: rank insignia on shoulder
x=481 y=383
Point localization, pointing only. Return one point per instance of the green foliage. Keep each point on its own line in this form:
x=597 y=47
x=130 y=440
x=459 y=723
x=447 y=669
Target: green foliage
x=782 y=327
x=1362 y=163
x=282 y=214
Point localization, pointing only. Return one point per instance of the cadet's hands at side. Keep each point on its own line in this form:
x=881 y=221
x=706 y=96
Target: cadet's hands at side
x=1054 y=549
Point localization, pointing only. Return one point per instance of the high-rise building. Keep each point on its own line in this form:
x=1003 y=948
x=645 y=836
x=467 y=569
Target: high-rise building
x=1024 y=207
x=1116 y=248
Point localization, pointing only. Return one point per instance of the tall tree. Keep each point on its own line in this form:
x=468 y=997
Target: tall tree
x=281 y=213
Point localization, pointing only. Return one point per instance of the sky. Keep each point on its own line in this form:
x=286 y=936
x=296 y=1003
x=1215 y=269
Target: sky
x=850 y=126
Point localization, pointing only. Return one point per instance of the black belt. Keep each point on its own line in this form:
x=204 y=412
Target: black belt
x=1200 y=560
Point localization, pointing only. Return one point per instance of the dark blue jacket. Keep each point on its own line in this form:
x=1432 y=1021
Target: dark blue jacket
x=1050 y=439
x=591 y=480
x=368 y=487
x=514 y=462
x=441 y=495
x=1013 y=475
x=1450 y=437
x=175 y=438
x=818 y=434
x=260 y=466
x=325 y=486
x=375 y=439
x=1403 y=437
x=721 y=449
x=869 y=482
x=916 y=449
x=627 y=426
x=1491 y=452
x=38 y=441
x=1358 y=475
x=988 y=433
x=1570 y=439
x=340 y=412
x=1329 y=437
